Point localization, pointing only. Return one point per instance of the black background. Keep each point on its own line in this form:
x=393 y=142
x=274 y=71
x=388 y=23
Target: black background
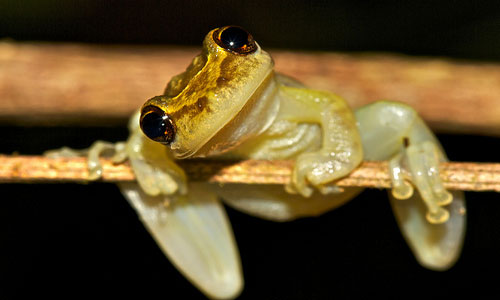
x=69 y=239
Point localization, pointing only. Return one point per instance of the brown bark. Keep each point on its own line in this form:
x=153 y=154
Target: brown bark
x=43 y=83
x=26 y=169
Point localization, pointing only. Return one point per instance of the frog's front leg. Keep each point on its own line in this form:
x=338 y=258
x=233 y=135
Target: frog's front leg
x=341 y=149
x=155 y=170
x=93 y=153
x=190 y=224
x=394 y=131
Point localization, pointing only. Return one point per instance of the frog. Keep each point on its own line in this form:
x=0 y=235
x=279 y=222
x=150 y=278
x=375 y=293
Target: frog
x=230 y=104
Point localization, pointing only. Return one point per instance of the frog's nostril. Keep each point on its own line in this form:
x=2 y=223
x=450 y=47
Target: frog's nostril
x=157 y=126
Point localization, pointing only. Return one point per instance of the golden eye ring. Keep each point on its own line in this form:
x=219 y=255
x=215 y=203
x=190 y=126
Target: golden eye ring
x=235 y=39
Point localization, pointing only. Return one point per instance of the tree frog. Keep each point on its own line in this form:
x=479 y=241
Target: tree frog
x=231 y=104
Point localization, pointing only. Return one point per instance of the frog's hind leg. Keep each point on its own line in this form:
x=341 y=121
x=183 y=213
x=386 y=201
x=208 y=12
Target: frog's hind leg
x=193 y=230
x=432 y=220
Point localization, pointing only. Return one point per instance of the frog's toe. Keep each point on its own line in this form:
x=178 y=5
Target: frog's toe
x=401 y=188
x=436 y=246
x=434 y=232
x=430 y=218
x=423 y=161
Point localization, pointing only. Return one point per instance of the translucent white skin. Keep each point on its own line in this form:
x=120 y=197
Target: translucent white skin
x=205 y=251
x=194 y=232
x=187 y=220
x=325 y=138
x=383 y=126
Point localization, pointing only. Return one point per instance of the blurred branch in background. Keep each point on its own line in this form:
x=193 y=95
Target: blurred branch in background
x=64 y=84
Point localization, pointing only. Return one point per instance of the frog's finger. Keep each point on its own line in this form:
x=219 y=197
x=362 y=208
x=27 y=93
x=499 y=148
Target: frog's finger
x=153 y=179
x=65 y=152
x=155 y=171
x=298 y=183
x=194 y=232
x=121 y=154
x=94 y=152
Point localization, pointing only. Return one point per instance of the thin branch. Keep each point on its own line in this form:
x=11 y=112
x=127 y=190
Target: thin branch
x=95 y=84
x=27 y=169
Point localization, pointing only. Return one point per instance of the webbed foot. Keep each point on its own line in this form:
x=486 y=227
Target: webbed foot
x=431 y=219
x=422 y=162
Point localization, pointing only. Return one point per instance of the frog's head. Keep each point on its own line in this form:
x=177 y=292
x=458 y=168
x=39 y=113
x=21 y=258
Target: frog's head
x=213 y=91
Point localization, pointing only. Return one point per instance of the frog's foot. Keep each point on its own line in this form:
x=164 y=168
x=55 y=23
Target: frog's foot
x=432 y=219
x=98 y=149
x=317 y=169
x=394 y=131
x=422 y=162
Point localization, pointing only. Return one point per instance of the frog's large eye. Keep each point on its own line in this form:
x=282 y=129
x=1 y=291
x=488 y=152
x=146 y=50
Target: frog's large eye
x=235 y=39
x=156 y=125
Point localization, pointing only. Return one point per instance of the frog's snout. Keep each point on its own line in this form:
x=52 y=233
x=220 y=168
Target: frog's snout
x=156 y=124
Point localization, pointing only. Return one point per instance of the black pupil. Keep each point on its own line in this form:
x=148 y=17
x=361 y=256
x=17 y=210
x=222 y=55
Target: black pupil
x=234 y=37
x=154 y=125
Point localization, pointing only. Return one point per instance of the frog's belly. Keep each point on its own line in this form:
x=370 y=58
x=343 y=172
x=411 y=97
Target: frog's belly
x=271 y=202
x=283 y=140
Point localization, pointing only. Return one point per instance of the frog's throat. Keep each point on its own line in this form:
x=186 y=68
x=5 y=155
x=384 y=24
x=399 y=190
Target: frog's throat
x=255 y=116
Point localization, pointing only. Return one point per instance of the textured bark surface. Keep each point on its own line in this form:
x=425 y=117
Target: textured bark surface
x=458 y=176
x=53 y=84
